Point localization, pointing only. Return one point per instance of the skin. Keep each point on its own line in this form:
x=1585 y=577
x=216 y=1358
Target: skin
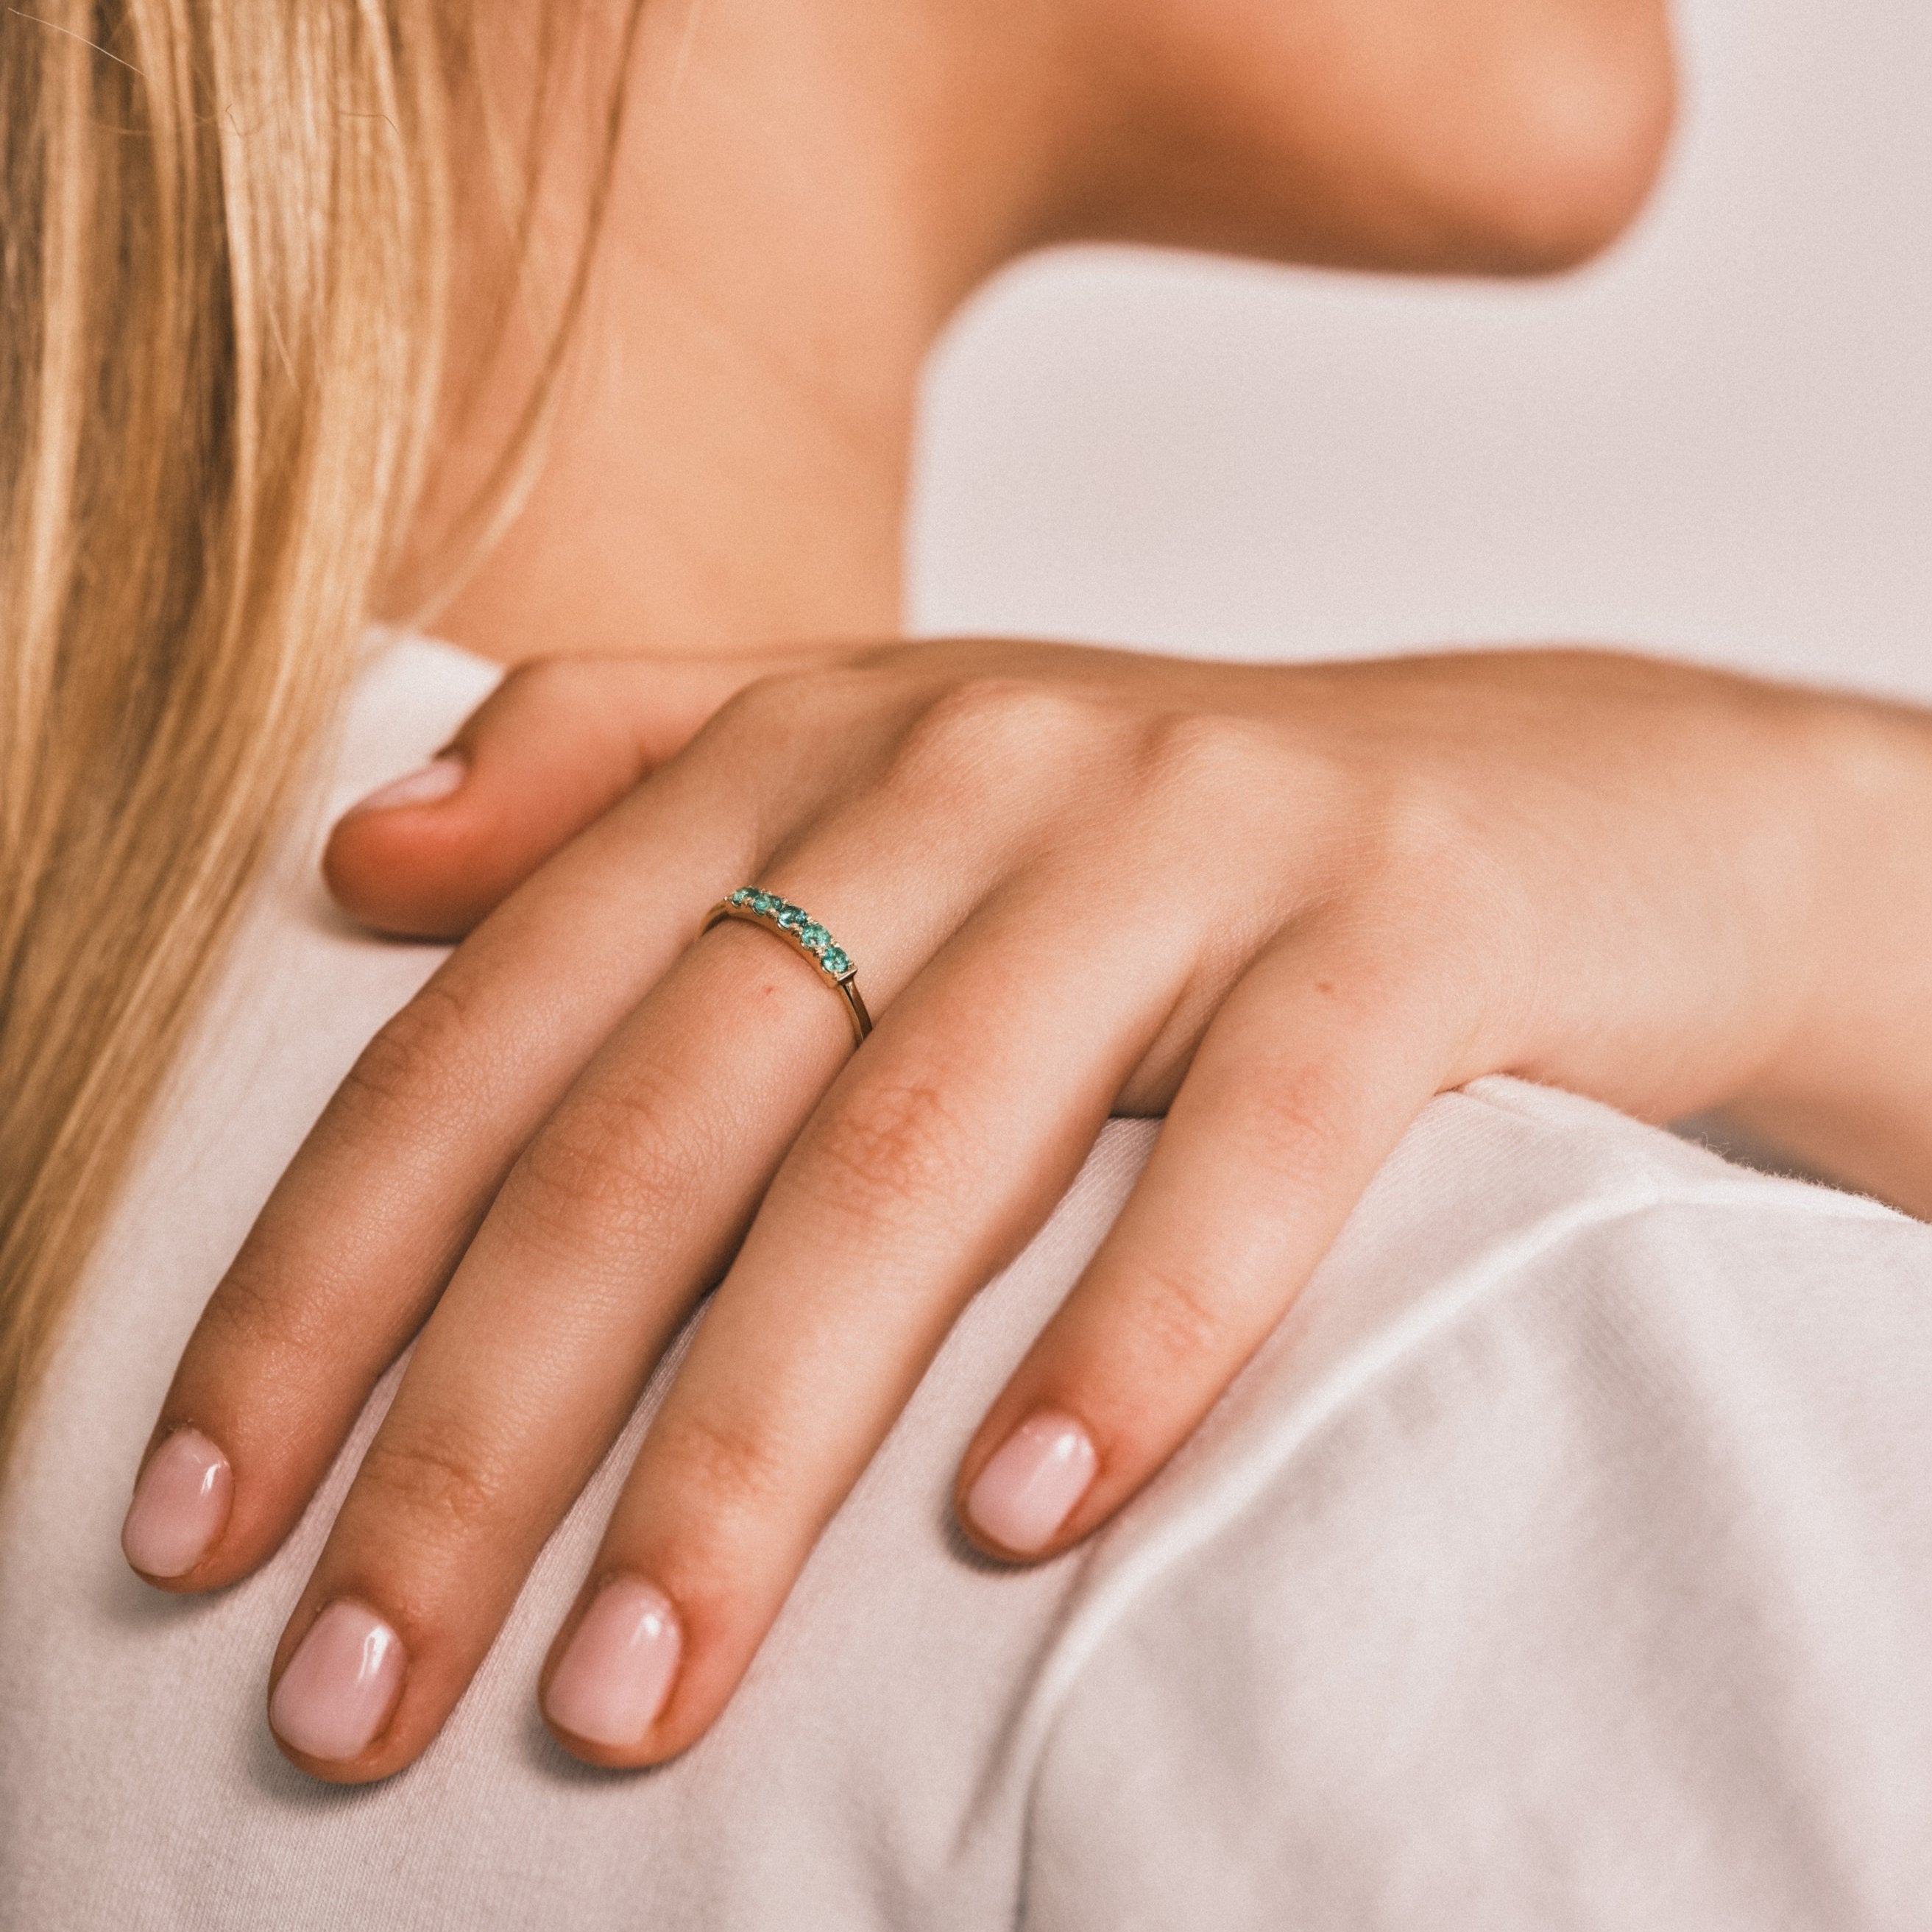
x=1283 y=906
x=807 y=189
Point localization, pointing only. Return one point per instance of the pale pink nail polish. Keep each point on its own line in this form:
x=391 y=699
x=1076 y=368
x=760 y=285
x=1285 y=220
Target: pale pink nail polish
x=617 y=1672
x=180 y=1506
x=340 y=1685
x=1029 y=1489
x=437 y=779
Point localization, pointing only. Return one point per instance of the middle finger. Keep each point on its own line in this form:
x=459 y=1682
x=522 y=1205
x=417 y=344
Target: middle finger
x=624 y=1207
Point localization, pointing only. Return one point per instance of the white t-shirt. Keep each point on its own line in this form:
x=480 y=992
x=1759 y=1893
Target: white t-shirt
x=1564 y=1560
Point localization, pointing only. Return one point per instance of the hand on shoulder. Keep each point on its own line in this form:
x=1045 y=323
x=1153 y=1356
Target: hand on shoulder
x=1283 y=906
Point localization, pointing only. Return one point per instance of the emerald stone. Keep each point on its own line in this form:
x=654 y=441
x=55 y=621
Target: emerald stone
x=741 y=896
x=766 y=902
x=791 y=919
x=816 y=936
x=833 y=961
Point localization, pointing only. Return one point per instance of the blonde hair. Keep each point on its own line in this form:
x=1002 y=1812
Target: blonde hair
x=225 y=249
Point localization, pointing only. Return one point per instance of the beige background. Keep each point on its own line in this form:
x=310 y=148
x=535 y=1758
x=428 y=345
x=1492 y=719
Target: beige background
x=1718 y=441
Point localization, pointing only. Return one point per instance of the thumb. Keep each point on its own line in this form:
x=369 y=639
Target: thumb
x=557 y=743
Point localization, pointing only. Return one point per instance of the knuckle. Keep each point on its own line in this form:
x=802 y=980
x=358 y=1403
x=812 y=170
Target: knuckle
x=415 y=1063
x=772 y=705
x=1219 y=761
x=776 y=726
x=612 y=1159
x=1422 y=827
x=431 y=1483
x=1297 y=1131
x=249 y=1316
x=726 y=1473
x=1432 y=893
x=892 y=1148
x=542 y=693
x=983 y=727
x=1439 y=851
x=560 y=682
x=1181 y=1315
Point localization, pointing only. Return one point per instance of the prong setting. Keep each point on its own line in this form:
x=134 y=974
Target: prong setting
x=797 y=927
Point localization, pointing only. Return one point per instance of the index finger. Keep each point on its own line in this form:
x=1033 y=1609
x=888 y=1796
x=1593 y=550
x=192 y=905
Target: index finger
x=552 y=748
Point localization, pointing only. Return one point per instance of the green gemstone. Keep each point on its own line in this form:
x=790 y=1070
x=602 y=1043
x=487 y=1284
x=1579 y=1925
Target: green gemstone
x=834 y=960
x=741 y=896
x=766 y=902
x=791 y=919
x=816 y=936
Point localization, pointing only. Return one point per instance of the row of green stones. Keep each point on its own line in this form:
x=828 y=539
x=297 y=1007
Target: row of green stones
x=812 y=937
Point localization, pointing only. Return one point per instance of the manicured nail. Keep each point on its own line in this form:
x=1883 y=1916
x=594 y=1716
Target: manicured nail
x=617 y=1674
x=1029 y=1489
x=340 y=1685
x=180 y=1506
x=437 y=779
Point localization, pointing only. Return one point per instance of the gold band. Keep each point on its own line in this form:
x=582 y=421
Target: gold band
x=805 y=937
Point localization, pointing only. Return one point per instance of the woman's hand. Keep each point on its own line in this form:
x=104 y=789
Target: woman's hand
x=1285 y=906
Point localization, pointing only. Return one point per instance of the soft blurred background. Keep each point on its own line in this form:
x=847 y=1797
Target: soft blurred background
x=1717 y=443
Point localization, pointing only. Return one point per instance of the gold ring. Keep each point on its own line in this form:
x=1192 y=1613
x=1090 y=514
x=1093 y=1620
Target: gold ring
x=793 y=925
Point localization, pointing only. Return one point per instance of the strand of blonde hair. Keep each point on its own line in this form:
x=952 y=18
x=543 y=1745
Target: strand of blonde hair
x=225 y=239
x=226 y=246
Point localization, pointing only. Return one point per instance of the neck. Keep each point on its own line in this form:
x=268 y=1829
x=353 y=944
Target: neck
x=801 y=195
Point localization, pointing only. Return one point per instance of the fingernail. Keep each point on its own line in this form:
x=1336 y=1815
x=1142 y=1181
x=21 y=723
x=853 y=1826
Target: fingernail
x=617 y=1671
x=1029 y=1489
x=340 y=1685
x=180 y=1506
x=437 y=779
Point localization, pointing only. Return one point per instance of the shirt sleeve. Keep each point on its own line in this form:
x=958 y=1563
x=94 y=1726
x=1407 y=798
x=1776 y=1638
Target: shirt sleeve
x=1605 y=1603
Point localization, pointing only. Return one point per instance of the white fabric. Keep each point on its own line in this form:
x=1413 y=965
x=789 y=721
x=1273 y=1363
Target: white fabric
x=1564 y=1560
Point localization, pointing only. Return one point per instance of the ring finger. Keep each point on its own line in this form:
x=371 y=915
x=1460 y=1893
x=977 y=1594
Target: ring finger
x=623 y=1207
x=936 y=1156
